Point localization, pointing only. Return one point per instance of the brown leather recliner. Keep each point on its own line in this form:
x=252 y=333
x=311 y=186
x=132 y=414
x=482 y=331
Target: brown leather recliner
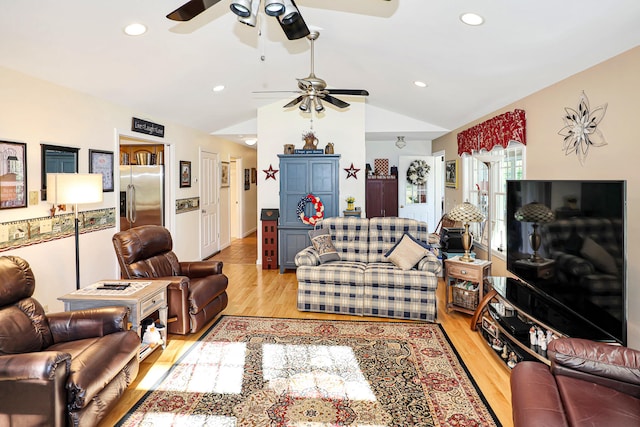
x=589 y=384
x=59 y=369
x=197 y=292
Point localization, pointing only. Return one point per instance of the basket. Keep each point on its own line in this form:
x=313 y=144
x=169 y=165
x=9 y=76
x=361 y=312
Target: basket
x=463 y=297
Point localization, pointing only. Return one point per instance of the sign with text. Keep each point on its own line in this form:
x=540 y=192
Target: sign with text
x=149 y=128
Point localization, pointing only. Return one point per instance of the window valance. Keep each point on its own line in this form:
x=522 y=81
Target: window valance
x=498 y=130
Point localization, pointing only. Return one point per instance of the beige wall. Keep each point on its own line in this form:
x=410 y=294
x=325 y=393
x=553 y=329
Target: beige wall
x=614 y=82
x=34 y=111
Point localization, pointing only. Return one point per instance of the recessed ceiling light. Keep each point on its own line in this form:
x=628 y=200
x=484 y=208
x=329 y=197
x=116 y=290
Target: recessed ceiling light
x=419 y=83
x=218 y=88
x=471 y=19
x=135 y=29
x=250 y=141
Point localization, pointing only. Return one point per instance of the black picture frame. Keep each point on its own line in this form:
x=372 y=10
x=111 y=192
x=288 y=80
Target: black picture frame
x=13 y=170
x=56 y=159
x=185 y=174
x=247 y=182
x=102 y=162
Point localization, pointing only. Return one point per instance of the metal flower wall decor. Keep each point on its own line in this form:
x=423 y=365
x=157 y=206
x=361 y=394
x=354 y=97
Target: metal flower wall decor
x=580 y=129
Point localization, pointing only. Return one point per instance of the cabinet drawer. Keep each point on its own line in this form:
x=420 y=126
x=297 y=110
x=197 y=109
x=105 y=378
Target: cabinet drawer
x=152 y=303
x=471 y=273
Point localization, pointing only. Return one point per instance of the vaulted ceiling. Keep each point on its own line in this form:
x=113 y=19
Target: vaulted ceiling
x=381 y=46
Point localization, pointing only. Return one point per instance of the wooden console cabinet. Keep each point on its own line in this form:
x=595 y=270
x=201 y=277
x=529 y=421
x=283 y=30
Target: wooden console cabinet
x=512 y=310
x=381 y=197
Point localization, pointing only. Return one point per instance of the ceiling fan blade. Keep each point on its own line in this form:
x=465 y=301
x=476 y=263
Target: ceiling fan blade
x=296 y=29
x=294 y=102
x=335 y=101
x=359 y=92
x=191 y=9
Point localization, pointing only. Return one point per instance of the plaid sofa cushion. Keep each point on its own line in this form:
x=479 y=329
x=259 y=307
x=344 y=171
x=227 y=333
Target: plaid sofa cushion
x=350 y=236
x=386 y=232
x=392 y=292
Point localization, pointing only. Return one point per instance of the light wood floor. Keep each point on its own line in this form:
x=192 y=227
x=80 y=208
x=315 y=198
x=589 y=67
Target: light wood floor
x=256 y=292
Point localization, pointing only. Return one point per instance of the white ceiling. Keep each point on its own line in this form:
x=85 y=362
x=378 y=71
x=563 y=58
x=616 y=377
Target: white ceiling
x=382 y=46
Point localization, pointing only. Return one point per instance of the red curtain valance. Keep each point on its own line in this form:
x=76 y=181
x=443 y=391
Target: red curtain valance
x=498 y=130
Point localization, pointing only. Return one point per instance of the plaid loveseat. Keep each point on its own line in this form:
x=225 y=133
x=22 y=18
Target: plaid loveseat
x=364 y=282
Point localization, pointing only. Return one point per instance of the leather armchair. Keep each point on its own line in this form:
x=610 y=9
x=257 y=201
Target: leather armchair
x=588 y=384
x=197 y=292
x=63 y=368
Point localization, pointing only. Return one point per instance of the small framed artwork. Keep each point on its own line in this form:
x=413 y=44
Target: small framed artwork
x=224 y=174
x=102 y=162
x=185 y=173
x=451 y=173
x=254 y=176
x=247 y=184
x=13 y=175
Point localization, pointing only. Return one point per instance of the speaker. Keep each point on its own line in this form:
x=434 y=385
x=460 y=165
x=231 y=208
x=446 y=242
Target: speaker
x=451 y=239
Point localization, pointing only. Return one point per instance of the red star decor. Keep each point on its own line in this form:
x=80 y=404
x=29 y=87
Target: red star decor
x=351 y=172
x=271 y=173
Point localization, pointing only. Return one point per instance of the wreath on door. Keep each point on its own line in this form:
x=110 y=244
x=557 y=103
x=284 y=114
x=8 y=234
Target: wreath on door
x=418 y=172
x=318 y=206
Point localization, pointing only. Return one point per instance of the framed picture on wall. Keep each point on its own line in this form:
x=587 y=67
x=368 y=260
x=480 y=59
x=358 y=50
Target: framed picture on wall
x=13 y=175
x=224 y=174
x=451 y=173
x=185 y=173
x=254 y=176
x=102 y=162
x=247 y=183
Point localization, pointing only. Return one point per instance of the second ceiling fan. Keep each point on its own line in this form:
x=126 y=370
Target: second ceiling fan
x=314 y=90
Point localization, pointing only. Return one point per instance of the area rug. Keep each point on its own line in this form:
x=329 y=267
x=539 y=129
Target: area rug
x=254 y=371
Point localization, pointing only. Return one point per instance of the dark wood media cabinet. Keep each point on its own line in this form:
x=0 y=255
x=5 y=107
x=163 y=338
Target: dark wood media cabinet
x=506 y=315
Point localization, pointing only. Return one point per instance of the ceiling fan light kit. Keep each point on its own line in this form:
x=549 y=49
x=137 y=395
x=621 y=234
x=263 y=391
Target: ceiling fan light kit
x=241 y=8
x=290 y=13
x=274 y=7
x=252 y=19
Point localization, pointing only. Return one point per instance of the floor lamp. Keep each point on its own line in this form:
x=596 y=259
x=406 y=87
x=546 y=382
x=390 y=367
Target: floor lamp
x=74 y=189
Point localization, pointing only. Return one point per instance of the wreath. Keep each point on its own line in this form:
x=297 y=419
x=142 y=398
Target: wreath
x=418 y=172
x=317 y=204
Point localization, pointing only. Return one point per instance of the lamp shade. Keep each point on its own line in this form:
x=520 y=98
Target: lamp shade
x=74 y=188
x=466 y=212
x=534 y=212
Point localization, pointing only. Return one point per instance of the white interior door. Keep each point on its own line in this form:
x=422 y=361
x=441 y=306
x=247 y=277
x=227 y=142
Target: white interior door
x=209 y=205
x=416 y=201
x=234 y=200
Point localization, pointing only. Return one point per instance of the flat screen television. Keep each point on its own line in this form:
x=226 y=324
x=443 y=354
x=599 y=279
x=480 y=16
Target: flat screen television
x=576 y=259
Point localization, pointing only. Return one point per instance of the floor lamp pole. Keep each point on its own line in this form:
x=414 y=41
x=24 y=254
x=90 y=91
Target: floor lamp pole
x=77 y=221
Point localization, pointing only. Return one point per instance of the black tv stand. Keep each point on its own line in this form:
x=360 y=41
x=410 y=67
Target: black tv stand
x=512 y=309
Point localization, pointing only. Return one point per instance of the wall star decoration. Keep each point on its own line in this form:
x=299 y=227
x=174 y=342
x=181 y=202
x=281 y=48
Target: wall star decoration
x=351 y=172
x=271 y=172
x=580 y=129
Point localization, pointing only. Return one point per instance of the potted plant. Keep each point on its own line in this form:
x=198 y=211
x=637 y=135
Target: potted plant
x=350 y=201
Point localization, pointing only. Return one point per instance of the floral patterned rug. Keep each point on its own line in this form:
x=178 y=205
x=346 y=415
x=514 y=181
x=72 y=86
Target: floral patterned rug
x=253 y=371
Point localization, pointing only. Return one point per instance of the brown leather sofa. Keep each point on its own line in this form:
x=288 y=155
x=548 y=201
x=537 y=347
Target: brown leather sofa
x=59 y=369
x=197 y=292
x=589 y=384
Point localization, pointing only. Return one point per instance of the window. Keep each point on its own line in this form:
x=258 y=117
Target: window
x=477 y=183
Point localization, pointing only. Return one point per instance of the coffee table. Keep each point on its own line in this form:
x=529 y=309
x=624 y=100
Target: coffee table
x=142 y=297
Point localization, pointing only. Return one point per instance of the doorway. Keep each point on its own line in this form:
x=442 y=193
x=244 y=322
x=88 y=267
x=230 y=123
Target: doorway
x=417 y=201
x=234 y=201
x=209 y=204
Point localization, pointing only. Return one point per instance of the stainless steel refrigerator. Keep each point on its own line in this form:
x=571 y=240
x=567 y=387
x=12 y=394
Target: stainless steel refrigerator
x=141 y=195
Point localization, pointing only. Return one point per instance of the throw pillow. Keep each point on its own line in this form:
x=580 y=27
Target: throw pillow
x=598 y=256
x=574 y=242
x=407 y=252
x=321 y=241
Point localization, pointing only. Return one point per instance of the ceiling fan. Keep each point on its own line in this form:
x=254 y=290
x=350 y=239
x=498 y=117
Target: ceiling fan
x=314 y=90
x=285 y=11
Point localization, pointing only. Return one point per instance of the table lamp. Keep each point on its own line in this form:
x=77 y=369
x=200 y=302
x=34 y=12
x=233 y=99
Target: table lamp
x=466 y=213
x=536 y=213
x=74 y=189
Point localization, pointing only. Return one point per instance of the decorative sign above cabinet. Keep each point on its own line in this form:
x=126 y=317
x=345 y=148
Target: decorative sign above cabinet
x=149 y=128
